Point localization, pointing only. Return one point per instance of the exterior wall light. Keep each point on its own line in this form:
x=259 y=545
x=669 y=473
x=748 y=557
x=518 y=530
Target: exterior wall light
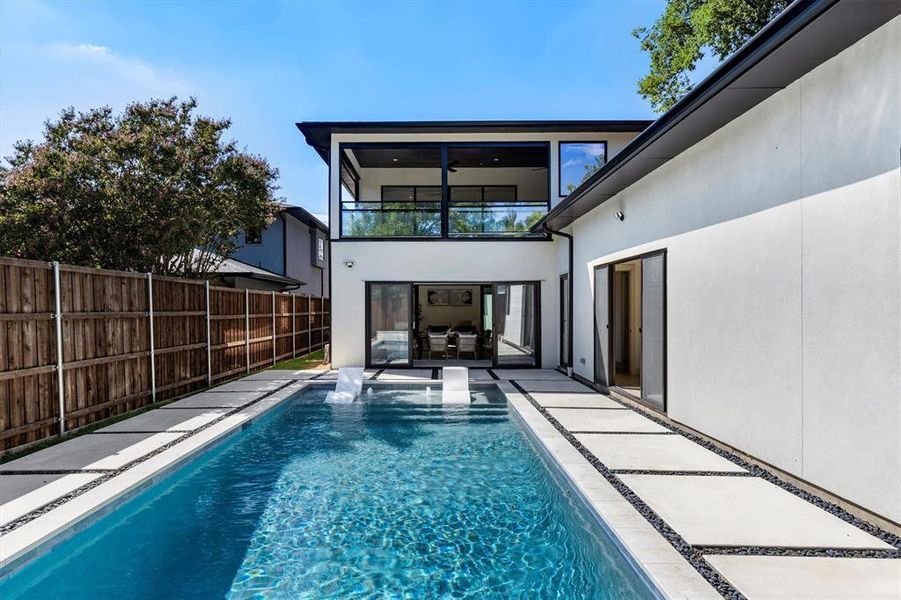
x=620 y=216
x=349 y=264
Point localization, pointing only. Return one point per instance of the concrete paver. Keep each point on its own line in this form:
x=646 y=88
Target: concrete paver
x=20 y=494
x=587 y=419
x=654 y=453
x=558 y=400
x=743 y=511
x=92 y=451
x=187 y=419
x=811 y=578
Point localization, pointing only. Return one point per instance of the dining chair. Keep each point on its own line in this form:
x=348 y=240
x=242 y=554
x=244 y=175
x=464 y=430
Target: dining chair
x=468 y=343
x=437 y=343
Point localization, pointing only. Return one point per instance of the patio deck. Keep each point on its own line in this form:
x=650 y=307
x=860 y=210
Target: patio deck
x=700 y=521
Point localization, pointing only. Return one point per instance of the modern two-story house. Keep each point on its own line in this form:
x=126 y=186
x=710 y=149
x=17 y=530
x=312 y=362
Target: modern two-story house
x=432 y=253
x=734 y=265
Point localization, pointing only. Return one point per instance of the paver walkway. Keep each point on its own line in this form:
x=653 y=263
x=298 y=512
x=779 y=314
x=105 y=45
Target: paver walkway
x=739 y=528
x=764 y=540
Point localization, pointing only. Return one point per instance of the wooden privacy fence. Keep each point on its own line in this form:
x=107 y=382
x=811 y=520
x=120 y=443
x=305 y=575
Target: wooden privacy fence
x=86 y=344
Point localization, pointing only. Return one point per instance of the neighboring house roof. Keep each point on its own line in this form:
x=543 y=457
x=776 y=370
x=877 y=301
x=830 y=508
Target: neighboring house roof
x=232 y=267
x=305 y=216
x=803 y=36
x=318 y=133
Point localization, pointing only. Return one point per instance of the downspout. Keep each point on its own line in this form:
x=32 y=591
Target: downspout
x=571 y=281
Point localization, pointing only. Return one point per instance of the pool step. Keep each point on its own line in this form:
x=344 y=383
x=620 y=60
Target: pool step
x=349 y=386
x=455 y=386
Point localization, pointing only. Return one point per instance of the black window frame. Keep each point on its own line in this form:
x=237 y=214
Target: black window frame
x=253 y=237
x=560 y=144
x=445 y=195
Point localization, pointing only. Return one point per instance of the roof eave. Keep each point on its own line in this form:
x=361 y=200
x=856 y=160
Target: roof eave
x=769 y=39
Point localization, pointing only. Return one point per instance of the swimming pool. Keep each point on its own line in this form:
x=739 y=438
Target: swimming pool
x=395 y=496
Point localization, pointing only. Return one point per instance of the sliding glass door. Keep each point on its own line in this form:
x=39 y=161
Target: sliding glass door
x=653 y=330
x=602 y=326
x=516 y=321
x=389 y=314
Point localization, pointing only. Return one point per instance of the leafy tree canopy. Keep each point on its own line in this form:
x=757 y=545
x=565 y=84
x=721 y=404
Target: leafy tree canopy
x=138 y=191
x=689 y=28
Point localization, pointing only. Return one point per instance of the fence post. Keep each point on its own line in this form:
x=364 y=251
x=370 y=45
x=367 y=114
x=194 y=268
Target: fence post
x=58 y=293
x=273 y=327
x=152 y=347
x=309 y=323
x=209 y=360
x=247 y=329
x=293 y=325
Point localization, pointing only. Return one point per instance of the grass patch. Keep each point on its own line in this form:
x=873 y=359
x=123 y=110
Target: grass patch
x=309 y=361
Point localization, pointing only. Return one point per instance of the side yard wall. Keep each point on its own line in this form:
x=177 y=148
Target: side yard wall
x=783 y=275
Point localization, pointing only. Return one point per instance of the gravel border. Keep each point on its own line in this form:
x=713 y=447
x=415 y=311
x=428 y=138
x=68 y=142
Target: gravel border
x=681 y=473
x=800 y=552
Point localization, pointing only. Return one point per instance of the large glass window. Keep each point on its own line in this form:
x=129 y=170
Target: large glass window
x=516 y=322
x=443 y=190
x=389 y=306
x=388 y=191
x=578 y=162
x=497 y=190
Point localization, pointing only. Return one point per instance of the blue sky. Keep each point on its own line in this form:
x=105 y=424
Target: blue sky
x=267 y=65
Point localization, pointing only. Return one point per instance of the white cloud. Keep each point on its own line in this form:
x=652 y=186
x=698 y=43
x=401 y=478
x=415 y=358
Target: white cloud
x=594 y=149
x=141 y=76
x=322 y=217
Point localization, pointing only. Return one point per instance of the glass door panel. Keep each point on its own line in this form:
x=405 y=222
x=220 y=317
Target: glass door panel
x=389 y=319
x=653 y=330
x=516 y=324
x=602 y=325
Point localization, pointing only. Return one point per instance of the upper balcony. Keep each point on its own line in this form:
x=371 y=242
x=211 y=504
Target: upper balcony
x=443 y=190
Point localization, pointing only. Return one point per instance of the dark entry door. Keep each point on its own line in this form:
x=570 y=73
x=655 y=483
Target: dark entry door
x=565 y=359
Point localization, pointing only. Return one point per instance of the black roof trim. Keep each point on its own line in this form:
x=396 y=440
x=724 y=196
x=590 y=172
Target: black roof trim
x=803 y=36
x=305 y=217
x=318 y=133
x=263 y=277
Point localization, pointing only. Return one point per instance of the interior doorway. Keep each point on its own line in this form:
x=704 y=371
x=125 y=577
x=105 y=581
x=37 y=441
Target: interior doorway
x=434 y=325
x=626 y=321
x=450 y=325
x=630 y=327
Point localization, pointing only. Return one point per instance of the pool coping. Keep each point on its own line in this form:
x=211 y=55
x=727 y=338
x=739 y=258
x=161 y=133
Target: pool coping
x=665 y=570
x=64 y=517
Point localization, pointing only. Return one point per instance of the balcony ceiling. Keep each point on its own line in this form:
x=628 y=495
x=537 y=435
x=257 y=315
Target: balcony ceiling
x=423 y=158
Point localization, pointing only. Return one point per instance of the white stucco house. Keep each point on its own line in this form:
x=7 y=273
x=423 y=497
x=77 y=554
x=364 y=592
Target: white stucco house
x=735 y=264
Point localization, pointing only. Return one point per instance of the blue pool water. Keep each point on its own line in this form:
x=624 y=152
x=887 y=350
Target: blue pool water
x=394 y=497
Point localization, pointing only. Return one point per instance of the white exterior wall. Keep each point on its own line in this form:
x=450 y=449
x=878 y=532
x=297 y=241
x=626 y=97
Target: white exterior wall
x=435 y=261
x=783 y=275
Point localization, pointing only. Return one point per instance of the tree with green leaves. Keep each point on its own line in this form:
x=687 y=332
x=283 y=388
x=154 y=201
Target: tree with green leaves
x=154 y=189
x=688 y=29
x=590 y=169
